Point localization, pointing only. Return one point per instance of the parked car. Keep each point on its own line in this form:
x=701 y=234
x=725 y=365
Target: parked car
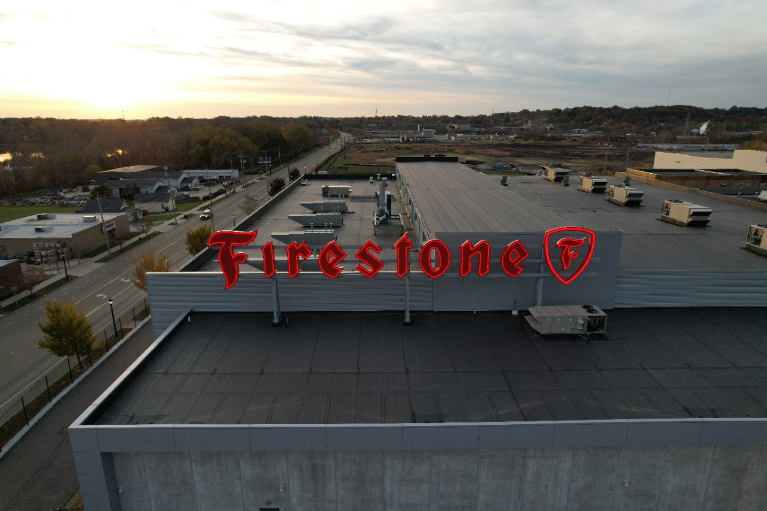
x=84 y=189
x=206 y=215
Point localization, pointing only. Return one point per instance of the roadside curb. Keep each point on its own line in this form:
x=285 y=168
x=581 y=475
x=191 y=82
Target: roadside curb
x=13 y=441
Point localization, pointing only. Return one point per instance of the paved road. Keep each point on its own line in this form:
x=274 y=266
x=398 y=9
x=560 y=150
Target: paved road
x=38 y=473
x=21 y=361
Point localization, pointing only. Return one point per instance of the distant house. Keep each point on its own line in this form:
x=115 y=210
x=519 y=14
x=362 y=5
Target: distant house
x=154 y=202
x=107 y=206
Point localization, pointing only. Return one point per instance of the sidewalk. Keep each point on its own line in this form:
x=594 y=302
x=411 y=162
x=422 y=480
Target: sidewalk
x=38 y=473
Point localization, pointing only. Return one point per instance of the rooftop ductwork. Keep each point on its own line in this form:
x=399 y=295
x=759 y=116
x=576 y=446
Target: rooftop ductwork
x=326 y=206
x=318 y=219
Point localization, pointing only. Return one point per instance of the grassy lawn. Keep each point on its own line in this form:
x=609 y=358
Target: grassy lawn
x=112 y=244
x=37 y=294
x=8 y=213
x=188 y=206
x=118 y=252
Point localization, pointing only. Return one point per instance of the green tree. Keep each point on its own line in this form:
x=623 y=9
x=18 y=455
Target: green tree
x=197 y=238
x=101 y=191
x=146 y=263
x=249 y=204
x=67 y=331
x=227 y=145
x=129 y=191
x=297 y=135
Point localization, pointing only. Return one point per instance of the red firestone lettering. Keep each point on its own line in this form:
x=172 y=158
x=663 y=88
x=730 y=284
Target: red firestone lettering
x=403 y=247
x=514 y=254
x=482 y=251
x=268 y=251
x=566 y=244
x=328 y=264
x=294 y=251
x=443 y=258
x=226 y=258
x=364 y=255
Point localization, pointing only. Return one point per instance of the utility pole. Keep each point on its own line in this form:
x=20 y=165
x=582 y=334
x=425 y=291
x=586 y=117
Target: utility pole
x=103 y=225
x=627 y=159
x=605 y=171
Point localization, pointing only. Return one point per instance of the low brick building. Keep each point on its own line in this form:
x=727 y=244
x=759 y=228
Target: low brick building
x=81 y=232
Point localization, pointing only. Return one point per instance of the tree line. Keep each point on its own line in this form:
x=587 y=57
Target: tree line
x=64 y=153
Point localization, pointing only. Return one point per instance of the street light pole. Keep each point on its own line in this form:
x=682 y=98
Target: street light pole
x=114 y=323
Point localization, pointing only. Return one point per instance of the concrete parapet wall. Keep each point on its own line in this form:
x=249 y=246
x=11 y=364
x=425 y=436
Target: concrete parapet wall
x=593 y=478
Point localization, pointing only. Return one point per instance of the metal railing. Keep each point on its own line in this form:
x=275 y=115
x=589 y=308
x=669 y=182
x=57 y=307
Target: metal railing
x=18 y=412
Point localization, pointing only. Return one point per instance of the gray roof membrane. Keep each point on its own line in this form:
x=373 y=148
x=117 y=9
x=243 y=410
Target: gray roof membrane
x=367 y=368
x=453 y=198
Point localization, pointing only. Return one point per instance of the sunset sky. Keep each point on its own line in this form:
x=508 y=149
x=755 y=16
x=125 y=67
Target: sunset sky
x=81 y=59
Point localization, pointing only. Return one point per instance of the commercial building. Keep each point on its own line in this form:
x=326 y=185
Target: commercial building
x=427 y=389
x=80 y=232
x=742 y=159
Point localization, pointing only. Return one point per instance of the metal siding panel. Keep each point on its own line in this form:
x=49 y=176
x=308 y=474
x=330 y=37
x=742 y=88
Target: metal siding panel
x=705 y=288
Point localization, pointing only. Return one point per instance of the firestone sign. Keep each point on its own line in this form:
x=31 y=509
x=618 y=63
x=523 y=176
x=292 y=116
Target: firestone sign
x=568 y=251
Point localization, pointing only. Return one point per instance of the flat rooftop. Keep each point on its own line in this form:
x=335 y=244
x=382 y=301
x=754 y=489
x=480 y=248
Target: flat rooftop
x=366 y=368
x=355 y=231
x=63 y=225
x=453 y=198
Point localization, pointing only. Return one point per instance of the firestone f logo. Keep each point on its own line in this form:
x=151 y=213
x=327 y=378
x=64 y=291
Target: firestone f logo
x=567 y=255
x=226 y=258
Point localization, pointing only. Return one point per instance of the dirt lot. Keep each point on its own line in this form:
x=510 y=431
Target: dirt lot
x=577 y=157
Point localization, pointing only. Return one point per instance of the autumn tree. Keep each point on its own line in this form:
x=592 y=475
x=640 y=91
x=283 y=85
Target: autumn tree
x=67 y=330
x=121 y=236
x=297 y=135
x=294 y=174
x=197 y=238
x=146 y=263
x=249 y=204
x=275 y=185
x=146 y=226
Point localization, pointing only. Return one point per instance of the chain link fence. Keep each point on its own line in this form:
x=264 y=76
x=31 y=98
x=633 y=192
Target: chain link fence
x=18 y=412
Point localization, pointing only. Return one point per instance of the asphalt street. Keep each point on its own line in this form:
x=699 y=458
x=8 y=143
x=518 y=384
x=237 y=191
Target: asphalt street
x=21 y=362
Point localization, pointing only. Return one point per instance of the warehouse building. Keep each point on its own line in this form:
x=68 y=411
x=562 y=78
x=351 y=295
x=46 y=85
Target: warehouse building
x=427 y=388
x=80 y=232
x=742 y=159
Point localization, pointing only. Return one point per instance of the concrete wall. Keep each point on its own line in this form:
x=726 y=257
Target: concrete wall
x=670 y=478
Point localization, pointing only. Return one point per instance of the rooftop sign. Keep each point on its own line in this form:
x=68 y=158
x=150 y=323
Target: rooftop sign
x=567 y=250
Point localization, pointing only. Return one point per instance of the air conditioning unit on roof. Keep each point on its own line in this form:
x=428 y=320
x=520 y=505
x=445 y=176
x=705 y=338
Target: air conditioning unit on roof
x=624 y=195
x=567 y=319
x=592 y=184
x=684 y=213
x=756 y=240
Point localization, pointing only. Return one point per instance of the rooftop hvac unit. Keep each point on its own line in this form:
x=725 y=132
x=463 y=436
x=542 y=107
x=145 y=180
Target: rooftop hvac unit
x=624 y=195
x=756 y=240
x=313 y=237
x=323 y=206
x=89 y=218
x=684 y=213
x=42 y=229
x=763 y=195
x=318 y=219
x=554 y=174
x=336 y=191
x=592 y=184
x=567 y=319
x=42 y=216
